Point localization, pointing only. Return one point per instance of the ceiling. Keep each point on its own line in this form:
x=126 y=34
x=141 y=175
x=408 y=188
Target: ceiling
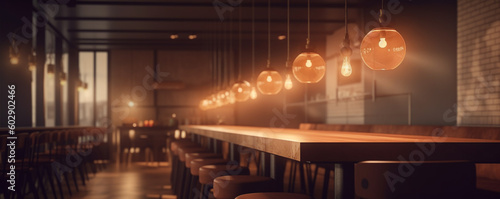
x=105 y=24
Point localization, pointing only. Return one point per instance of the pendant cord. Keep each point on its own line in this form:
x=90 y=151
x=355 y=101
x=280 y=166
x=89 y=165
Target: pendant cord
x=346 y=38
x=381 y=11
x=253 y=39
x=308 y=23
x=231 y=43
x=287 y=32
x=268 y=33
x=239 y=43
x=345 y=18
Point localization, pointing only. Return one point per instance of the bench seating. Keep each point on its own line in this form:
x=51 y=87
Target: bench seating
x=488 y=174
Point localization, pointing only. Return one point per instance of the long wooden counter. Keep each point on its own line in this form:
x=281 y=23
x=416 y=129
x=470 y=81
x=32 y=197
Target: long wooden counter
x=344 y=149
x=339 y=146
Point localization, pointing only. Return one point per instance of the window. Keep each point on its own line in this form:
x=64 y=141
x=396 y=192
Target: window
x=93 y=98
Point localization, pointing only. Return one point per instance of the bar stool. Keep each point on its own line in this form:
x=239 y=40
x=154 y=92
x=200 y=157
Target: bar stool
x=194 y=173
x=174 y=176
x=412 y=180
x=208 y=173
x=183 y=172
x=273 y=195
x=229 y=187
x=188 y=182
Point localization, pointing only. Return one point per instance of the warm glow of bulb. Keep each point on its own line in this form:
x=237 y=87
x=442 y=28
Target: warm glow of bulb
x=222 y=99
x=269 y=78
x=230 y=97
x=309 y=63
x=288 y=82
x=309 y=67
x=131 y=104
x=346 y=69
x=383 y=49
x=32 y=67
x=269 y=82
x=253 y=93
x=382 y=43
x=50 y=69
x=14 y=60
x=241 y=91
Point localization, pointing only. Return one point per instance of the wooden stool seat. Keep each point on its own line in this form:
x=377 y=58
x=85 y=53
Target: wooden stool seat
x=183 y=150
x=273 y=195
x=208 y=173
x=176 y=144
x=229 y=187
x=394 y=179
x=191 y=156
x=197 y=163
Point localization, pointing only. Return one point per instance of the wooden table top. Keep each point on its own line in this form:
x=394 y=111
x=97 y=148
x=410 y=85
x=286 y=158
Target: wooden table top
x=341 y=146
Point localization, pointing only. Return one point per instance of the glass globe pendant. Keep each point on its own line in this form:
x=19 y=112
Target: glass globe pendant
x=230 y=96
x=309 y=67
x=222 y=98
x=383 y=49
x=241 y=91
x=269 y=82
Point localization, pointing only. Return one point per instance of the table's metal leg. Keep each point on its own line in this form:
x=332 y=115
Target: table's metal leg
x=344 y=181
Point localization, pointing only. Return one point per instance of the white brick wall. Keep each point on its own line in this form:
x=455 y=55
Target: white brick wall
x=478 y=59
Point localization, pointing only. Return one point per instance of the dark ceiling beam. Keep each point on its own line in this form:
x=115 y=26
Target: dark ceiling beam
x=183 y=3
x=186 y=31
x=192 y=20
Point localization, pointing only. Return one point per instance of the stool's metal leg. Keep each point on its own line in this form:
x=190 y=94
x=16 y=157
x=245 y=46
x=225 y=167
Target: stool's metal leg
x=344 y=181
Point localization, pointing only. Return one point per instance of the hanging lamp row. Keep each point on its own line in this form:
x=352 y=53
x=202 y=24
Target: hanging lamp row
x=382 y=48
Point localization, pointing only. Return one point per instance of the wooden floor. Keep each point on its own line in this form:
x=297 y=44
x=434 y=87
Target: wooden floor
x=132 y=181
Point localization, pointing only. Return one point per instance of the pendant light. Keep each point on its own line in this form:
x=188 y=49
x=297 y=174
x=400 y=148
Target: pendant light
x=309 y=66
x=229 y=90
x=288 y=80
x=383 y=48
x=13 y=55
x=269 y=81
x=63 y=78
x=32 y=62
x=346 y=50
x=51 y=68
x=241 y=88
x=253 y=92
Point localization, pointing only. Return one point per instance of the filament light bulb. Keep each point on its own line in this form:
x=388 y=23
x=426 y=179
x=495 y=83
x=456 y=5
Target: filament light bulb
x=240 y=90
x=269 y=78
x=131 y=104
x=382 y=43
x=288 y=82
x=253 y=93
x=346 y=69
x=308 y=63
